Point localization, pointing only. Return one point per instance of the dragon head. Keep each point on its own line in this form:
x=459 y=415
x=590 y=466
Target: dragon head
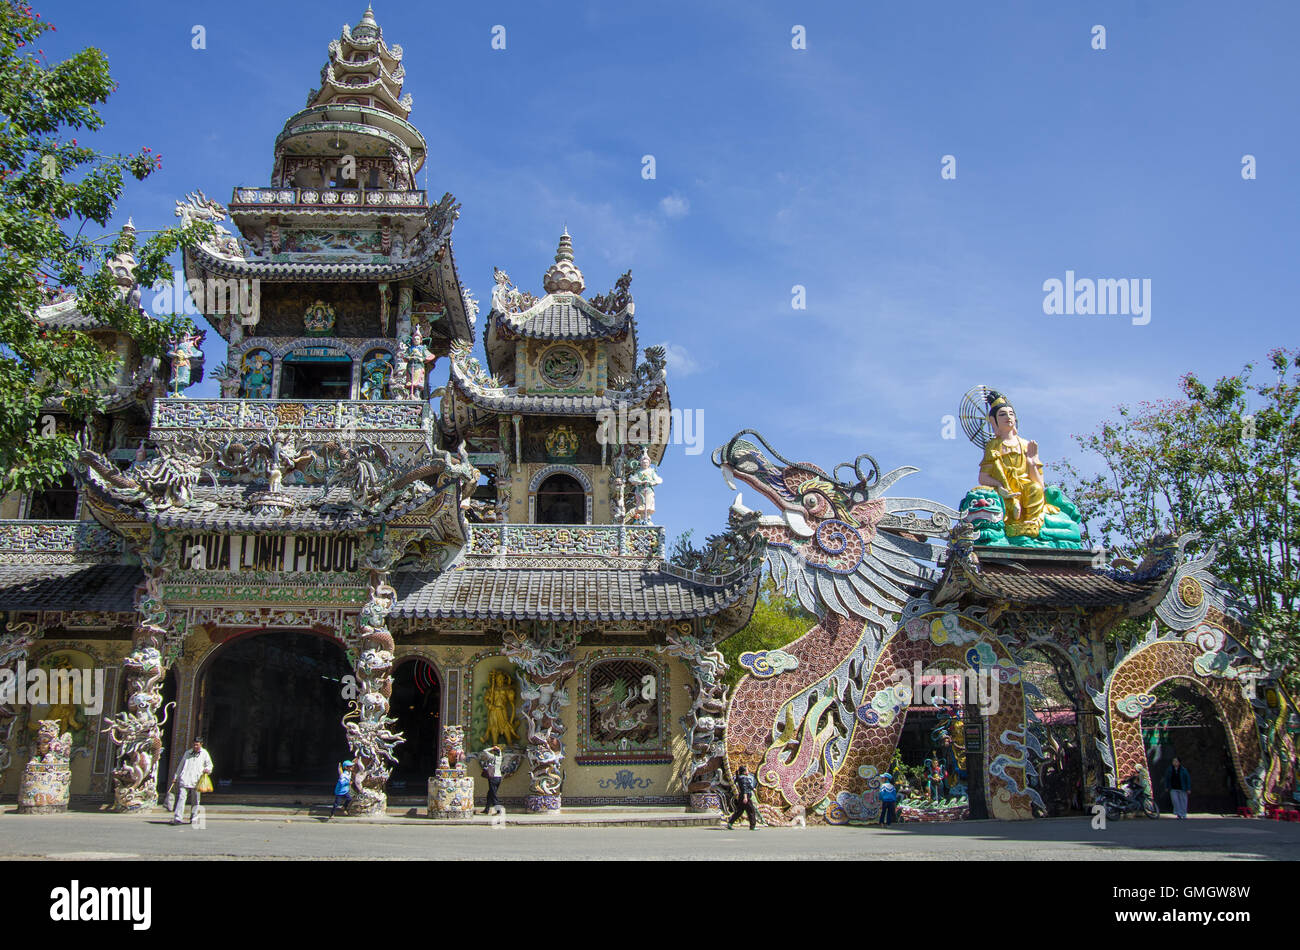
x=837 y=543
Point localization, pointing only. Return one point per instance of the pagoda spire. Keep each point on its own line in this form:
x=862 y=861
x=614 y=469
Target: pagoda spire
x=563 y=277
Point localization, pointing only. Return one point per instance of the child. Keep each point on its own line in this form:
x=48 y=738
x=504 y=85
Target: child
x=343 y=787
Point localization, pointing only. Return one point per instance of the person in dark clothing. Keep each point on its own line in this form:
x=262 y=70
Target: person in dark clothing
x=745 y=786
x=1179 y=784
x=490 y=759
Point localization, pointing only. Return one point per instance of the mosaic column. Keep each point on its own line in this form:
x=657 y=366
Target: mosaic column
x=15 y=641
x=137 y=731
x=405 y=301
x=705 y=726
x=545 y=661
x=47 y=777
x=367 y=723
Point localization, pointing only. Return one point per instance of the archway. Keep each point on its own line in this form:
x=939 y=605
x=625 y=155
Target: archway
x=271 y=706
x=1183 y=724
x=561 y=500
x=416 y=703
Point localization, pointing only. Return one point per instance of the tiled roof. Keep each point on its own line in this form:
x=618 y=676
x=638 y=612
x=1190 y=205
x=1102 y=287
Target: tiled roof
x=565 y=594
x=1037 y=581
x=69 y=587
x=563 y=317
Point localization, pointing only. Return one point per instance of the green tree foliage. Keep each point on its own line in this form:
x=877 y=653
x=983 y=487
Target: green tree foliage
x=777 y=621
x=50 y=189
x=1223 y=460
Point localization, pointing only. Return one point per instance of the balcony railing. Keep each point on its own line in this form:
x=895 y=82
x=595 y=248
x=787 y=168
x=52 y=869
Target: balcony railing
x=57 y=542
x=639 y=543
x=337 y=197
x=180 y=416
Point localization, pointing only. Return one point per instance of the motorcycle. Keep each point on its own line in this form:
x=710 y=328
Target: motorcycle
x=1132 y=799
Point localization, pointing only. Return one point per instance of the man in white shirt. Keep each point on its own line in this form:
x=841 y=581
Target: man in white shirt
x=193 y=765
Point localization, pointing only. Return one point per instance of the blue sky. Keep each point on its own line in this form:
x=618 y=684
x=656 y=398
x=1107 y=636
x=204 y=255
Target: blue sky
x=817 y=167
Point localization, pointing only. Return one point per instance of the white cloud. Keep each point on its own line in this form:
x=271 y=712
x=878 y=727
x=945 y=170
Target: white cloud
x=675 y=206
x=680 y=361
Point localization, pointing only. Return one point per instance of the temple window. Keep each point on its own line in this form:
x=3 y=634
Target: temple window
x=561 y=500
x=316 y=379
x=58 y=502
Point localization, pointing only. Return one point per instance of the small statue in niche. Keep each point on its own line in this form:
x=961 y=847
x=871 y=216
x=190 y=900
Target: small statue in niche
x=257 y=375
x=643 y=482
x=419 y=360
x=500 y=699
x=376 y=374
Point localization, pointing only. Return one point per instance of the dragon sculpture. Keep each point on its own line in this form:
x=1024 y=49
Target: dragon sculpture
x=546 y=661
x=367 y=723
x=15 y=641
x=853 y=557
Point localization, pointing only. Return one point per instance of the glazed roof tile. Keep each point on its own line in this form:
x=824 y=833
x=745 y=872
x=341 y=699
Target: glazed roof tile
x=564 y=317
x=486 y=593
x=69 y=587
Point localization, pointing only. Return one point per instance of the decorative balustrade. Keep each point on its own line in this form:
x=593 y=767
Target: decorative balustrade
x=639 y=543
x=402 y=427
x=175 y=416
x=318 y=197
x=57 y=542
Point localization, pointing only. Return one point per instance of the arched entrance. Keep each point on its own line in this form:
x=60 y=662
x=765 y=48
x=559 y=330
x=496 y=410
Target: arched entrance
x=271 y=706
x=416 y=703
x=561 y=500
x=1183 y=724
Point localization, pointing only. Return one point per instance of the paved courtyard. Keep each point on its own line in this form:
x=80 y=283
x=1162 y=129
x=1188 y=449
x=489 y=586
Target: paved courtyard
x=82 y=836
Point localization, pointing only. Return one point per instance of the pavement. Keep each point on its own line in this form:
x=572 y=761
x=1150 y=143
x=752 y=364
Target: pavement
x=232 y=832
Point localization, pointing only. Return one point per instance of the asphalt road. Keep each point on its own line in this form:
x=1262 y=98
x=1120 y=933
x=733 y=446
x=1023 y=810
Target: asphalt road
x=85 y=836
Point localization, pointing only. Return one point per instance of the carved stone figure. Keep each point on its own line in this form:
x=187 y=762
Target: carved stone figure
x=643 y=482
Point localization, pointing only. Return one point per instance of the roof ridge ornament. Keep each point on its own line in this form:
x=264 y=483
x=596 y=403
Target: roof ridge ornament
x=563 y=277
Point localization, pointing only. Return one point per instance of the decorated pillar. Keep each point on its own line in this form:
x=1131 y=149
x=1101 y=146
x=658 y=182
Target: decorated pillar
x=705 y=725
x=47 y=777
x=137 y=730
x=15 y=641
x=405 y=300
x=546 y=661
x=367 y=723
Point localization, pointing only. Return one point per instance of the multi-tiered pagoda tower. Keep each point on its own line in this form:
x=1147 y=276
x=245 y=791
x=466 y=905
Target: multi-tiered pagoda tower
x=335 y=559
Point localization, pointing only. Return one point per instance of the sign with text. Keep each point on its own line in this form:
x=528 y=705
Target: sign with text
x=268 y=552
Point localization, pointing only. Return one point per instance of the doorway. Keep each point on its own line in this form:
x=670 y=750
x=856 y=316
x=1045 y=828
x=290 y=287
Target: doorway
x=416 y=704
x=271 y=706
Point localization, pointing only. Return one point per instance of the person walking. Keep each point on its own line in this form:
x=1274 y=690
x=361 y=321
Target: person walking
x=1179 y=784
x=490 y=759
x=190 y=776
x=745 y=786
x=343 y=787
x=888 y=799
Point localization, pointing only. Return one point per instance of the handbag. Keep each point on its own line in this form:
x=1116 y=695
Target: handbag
x=170 y=801
x=205 y=783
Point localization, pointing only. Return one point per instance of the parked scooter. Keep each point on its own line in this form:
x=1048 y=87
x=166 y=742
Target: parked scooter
x=1132 y=799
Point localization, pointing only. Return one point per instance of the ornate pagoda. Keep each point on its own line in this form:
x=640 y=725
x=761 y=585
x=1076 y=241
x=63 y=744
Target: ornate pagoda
x=335 y=560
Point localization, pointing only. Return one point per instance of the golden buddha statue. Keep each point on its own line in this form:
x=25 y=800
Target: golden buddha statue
x=500 y=699
x=1011 y=468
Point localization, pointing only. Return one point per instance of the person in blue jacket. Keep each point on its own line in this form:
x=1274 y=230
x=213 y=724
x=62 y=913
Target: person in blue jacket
x=888 y=799
x=343 y=787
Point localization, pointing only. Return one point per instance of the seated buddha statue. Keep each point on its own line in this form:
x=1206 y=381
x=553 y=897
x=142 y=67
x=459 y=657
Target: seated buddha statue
x=1032 y=513
x=1011 y=467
